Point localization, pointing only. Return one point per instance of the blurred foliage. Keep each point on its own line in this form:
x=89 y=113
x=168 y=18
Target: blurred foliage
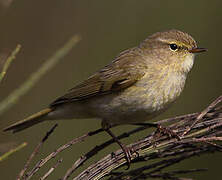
x=5 y=61
x=11 y=151
x=8 y=60
x=15 y=96
x=107 y=28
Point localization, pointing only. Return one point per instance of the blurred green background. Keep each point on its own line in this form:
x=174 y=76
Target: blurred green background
x=106 y=28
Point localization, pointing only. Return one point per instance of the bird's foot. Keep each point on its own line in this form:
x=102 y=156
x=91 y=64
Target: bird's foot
x=167 y=131
x=128 y=154
x=161 y=130
x=128 y=151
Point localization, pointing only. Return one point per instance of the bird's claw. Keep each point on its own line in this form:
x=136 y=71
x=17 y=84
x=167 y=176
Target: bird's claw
x=167 y=131
x=128 y=154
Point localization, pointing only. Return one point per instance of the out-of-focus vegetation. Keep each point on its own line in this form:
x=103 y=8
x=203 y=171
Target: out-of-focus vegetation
x=11 y=151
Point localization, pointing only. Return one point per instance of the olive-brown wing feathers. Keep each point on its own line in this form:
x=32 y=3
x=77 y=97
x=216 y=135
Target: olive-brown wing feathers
x=120 y=74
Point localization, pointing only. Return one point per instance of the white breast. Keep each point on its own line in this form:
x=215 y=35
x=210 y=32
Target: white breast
x=187 y=64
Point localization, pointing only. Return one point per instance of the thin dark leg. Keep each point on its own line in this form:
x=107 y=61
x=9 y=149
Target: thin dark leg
x=148 y=124
x=126 y=150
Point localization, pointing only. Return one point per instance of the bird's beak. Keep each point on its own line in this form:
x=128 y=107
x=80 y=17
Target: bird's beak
x=197 y=50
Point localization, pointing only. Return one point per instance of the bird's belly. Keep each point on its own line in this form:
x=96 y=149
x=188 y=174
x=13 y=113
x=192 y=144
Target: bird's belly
x=138 y=103
x=131 y=106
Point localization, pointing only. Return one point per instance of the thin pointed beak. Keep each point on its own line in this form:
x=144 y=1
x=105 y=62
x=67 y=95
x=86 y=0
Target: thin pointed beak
x=197 y=50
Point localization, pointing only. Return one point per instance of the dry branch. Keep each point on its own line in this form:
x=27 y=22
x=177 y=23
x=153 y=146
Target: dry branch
x=200 y=139
x=46 y=175
x=52 y=155
x=35 y=152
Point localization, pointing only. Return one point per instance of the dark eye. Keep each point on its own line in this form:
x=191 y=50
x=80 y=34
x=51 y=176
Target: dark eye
x=174 y=47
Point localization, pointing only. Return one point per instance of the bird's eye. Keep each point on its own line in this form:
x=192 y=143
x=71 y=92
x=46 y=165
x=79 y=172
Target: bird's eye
x=173 y=47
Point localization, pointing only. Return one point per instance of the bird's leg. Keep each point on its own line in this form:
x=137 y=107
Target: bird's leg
x=126 y=150
x=164 y=130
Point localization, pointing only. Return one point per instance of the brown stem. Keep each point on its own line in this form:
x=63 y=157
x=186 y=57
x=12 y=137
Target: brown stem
x=203 y=113
x=60 y=149
x=35 y=152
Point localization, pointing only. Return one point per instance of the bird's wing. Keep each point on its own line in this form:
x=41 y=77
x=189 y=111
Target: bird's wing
x=124 y=71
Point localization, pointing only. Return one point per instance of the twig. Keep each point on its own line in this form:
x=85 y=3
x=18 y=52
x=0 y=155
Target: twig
x=51 y=170
x=202 y=132
x=104 y=167
x=36 y=151
x=8 y=61
x=12 y=151
x=158 y=166
x=60 y=149
x=96 y=149
x=138 y=173
x=171 y=175
x=35 y=77
x=203 y=113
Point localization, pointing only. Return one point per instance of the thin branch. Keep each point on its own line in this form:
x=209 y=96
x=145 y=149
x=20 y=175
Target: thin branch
x=203 y=113
x=8 y=61
x=52 y=155
x=98 y=148
x=36 y=151
x=201 y=137
x=171 y=175
x=12 y=151
x=35 y=77
x=46 y=175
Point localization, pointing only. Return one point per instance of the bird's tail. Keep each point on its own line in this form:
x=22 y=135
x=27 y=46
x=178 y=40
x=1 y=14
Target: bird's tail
x=29 y=121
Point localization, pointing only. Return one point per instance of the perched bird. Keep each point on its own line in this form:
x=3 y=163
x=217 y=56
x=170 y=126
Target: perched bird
x=137 y=85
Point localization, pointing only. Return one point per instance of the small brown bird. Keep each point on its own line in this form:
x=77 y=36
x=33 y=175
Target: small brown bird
x=137 y=85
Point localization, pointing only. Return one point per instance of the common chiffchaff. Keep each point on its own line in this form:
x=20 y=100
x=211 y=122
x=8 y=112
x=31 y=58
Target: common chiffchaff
x=137 y=85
